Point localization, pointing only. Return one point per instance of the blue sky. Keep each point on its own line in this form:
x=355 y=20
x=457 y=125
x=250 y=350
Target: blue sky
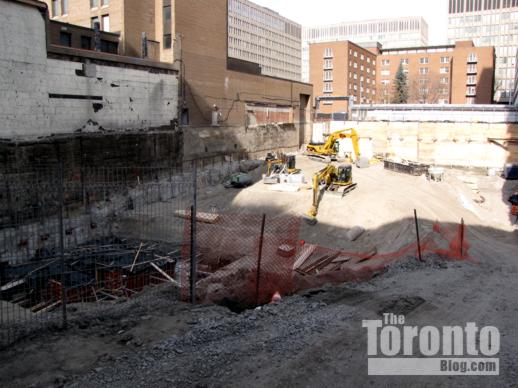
x=315 y=12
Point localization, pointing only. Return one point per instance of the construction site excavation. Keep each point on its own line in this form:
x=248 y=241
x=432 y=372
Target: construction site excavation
x=206 y=193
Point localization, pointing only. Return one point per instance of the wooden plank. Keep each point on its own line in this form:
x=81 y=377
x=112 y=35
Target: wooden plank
x=49 y=307
x=136 y=256
x=14 y=283
x=164 y=274
x=326 y=262
x=307 y=251
x=342 y=259
x=207 y=218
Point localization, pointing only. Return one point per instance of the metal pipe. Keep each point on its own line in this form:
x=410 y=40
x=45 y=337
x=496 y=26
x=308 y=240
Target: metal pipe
x=417 y=234
x=259 y=259
x=193 y=234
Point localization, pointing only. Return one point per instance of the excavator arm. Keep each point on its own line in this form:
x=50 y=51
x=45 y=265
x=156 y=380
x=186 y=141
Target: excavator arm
x=327 y=150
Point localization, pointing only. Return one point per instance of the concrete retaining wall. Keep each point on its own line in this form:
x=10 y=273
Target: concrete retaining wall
x=254 y=141
x=457 y=144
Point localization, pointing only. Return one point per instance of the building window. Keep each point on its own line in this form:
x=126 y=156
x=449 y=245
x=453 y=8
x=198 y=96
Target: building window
x=328 y=87
x=423 y=61
x=328 y=75
x=423 y=70
x=444 y=70
x=444 y=80
x=109 y=47
x=472 y=79
x=472 y=68
x=404 y=61
x=385 y=62
x=471 y=91
x=355 y=76
x=328 y=53
x=94 y=3
x=64 y=7
x=104 y=3
x=362 y=57
x=167 y=41
x=445 y=59
x=385 y=72
x=106 y=23
x=65 y=39
x=86 y=42
x=472 y=58
x=328 y=63
x=470 y=100
x=55 y=6
x=356 y=54
x=94 y=21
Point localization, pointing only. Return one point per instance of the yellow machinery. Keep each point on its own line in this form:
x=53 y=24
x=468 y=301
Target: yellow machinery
x=338 y=180
x=328 y=151
x=282 y=164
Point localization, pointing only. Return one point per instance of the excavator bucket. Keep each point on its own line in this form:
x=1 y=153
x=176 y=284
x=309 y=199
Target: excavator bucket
x=310 y=220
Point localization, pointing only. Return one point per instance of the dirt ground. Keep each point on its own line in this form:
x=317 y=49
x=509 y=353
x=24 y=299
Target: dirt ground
x=314 y=338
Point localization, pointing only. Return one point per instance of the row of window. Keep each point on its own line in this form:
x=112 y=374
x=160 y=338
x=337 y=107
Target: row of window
x=95 y=3
x=106 y=46
x=104 y=22
x=363 y=28
x=422 y=70
x=60 y=7
x=423 y=60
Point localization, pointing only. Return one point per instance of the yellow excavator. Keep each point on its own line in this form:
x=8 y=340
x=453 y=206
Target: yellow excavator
x=334 y=179
x=279 y=165
x=328 y=151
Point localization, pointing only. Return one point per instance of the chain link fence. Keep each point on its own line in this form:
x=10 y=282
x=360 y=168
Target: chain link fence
x=91 y=235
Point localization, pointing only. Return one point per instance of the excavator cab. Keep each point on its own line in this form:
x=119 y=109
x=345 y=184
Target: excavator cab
x=344 y=175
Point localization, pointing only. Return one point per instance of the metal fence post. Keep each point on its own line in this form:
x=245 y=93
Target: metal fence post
x=259 y=259
x=62 y=243
x=193 y=233
x=462 y=238
x=417 y=233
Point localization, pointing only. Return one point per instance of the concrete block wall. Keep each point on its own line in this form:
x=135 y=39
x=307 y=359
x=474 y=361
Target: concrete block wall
x=254 y=141
x=40 y=96
x=449 y=144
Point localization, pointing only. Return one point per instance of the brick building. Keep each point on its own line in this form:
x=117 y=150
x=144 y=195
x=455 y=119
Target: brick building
x=242 y=93
x=342 y=69
x=255 y=33
x=126 y=18
x=452 y=74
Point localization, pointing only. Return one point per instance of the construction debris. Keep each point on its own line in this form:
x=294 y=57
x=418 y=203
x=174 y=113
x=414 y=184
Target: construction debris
x=355 y=233
x=406 y=167
x=208 y=218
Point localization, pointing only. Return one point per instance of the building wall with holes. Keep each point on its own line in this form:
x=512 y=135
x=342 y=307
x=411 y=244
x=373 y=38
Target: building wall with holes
x=46 y=92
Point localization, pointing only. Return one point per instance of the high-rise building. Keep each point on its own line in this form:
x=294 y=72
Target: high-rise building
x=260 y=35
x=398 y=32
x=489 y=23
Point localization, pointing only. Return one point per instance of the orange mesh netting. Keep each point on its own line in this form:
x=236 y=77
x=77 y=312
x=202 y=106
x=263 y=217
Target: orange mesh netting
x=233 y=269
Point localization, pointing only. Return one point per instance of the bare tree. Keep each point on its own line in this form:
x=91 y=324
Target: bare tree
x=427 y=89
